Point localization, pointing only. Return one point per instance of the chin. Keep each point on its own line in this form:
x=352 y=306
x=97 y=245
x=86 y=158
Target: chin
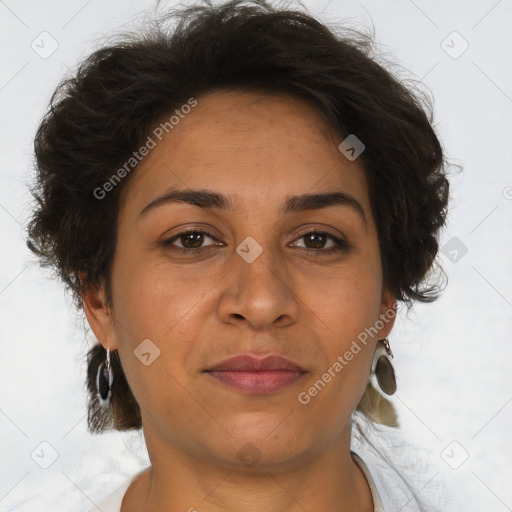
x=264 y=439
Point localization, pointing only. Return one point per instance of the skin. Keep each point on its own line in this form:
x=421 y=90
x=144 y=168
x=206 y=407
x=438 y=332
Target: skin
x=201 y=309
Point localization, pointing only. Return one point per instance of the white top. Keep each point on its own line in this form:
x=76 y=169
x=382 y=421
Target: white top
x=388 y=490
x=112 y=502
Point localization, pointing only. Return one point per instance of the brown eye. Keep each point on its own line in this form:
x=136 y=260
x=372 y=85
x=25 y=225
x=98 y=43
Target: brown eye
x=316 y=240
x=191 y=240
x=195 y=240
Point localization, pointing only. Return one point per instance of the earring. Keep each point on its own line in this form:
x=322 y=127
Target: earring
x=383 y=373
x=104 y=379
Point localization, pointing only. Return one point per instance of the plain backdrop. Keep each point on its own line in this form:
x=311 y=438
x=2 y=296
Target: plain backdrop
x=453 y=358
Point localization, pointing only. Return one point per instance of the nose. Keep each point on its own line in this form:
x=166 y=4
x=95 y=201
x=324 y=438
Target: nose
x=259 y=293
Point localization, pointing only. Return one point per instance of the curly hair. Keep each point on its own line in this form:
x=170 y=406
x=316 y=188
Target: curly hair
x=102 y=114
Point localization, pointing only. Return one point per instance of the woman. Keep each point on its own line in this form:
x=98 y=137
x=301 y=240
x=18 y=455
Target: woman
x=238 y=204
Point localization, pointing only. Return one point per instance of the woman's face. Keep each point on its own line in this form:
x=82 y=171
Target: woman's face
x=262 y=283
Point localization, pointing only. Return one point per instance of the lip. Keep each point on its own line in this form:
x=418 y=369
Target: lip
x=256 y=375
x=248 y=362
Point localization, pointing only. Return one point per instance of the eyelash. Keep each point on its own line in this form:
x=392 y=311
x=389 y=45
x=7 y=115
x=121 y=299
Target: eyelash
x=341 y=245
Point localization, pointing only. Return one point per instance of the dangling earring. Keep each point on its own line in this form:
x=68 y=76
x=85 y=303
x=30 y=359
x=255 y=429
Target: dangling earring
x=383 y=373
x=104 y=379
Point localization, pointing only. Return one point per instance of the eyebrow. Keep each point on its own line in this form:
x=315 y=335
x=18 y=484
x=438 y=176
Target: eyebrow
x=213 y=200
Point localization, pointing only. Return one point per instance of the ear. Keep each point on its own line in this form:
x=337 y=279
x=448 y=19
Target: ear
x=388 y=311
x=98 y=315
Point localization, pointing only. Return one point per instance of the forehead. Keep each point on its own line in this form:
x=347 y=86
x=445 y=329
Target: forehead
x=247 y=145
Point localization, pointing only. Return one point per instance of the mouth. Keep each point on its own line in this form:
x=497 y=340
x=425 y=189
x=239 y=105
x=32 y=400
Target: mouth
x=254 y=375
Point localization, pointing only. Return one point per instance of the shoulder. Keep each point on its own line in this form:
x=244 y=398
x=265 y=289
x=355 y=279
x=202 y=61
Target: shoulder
x=390 y=490
x=112 y=502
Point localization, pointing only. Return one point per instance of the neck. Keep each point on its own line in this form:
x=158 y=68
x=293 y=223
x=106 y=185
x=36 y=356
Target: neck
x=179 y=480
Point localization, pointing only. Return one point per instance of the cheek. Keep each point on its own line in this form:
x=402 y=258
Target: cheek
x=346 y=314
x=347 y=341
x=155 y=298
x=348 y=300
x=165 y=304
x=346 y=306
x=151 y=308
